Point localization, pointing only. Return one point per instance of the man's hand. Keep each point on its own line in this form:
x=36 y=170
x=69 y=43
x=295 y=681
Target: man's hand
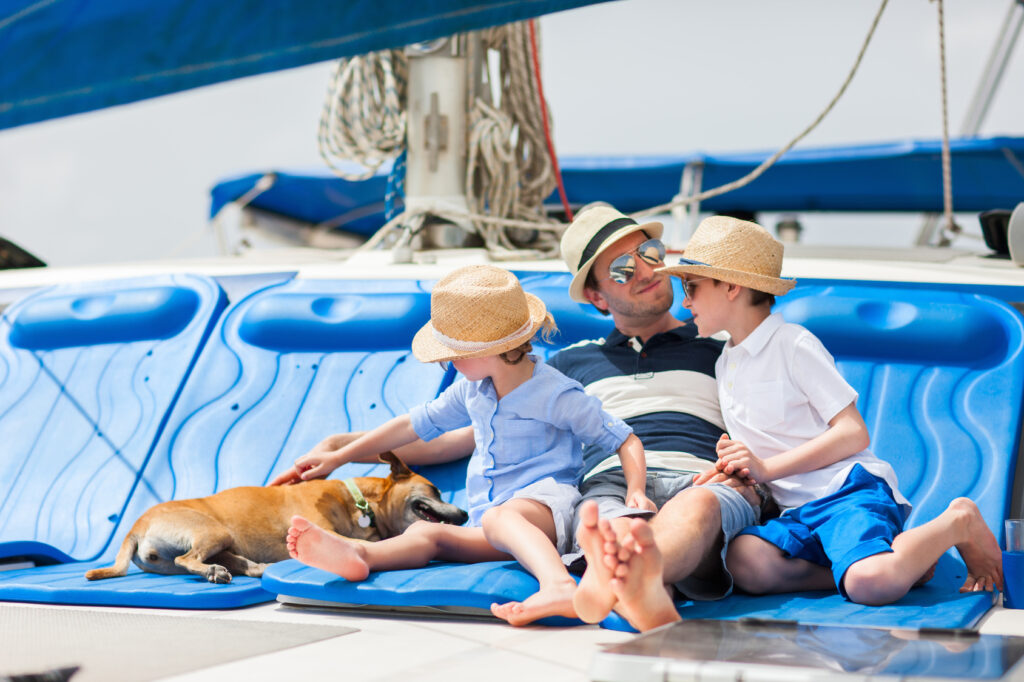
x=638 y=500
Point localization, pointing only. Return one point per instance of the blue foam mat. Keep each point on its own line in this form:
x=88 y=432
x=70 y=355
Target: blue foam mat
x=282 y=371
x=66 y=584
x=88 y=373
x=286 y=365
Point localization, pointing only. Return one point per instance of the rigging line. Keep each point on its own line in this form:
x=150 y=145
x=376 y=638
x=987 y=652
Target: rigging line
x=947 y=171
x=17 y=16
x=765 y=165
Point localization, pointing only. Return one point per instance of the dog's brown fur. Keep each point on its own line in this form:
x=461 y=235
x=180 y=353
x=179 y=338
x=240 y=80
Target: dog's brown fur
x=240 y=530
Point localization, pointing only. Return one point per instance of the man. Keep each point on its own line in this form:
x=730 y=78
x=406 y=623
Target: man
x=653 y=372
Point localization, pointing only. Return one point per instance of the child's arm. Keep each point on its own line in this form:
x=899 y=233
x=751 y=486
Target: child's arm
x=847 y=435
x=322 y=460
x=634 y=468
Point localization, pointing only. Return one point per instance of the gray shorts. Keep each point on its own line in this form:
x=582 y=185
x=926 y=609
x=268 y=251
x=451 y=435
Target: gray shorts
x=608 y=489
x=561 y=499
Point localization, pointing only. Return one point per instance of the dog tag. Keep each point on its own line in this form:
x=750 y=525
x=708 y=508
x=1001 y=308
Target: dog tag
x=364 y=521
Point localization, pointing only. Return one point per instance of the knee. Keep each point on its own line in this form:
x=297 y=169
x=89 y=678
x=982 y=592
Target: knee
x=496 y=518
x=696 y=503
x=871 y=583
x=748 y=567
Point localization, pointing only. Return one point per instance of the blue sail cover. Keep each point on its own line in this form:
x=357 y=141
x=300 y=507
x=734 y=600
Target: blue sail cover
x=64 y=57
x=899 y=176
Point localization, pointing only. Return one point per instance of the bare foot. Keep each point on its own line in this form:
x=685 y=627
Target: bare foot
x=554 y=600
x=314 y=546
x=593 y=600
x=643 y=599
x=980 y=551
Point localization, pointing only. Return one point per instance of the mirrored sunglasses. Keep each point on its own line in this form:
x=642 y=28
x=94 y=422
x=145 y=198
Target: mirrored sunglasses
x=622 y=269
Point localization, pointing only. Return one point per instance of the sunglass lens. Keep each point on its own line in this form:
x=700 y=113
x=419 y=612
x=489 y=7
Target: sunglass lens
x=652 y=252
x=621 y=269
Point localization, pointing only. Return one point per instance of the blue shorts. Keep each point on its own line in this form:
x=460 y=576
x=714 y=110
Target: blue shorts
x=859 y=520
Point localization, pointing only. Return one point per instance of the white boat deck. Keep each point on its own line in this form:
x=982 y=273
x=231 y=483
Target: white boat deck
x=401 y=647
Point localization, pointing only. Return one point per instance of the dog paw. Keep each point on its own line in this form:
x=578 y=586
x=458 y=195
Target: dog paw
x=218 y=574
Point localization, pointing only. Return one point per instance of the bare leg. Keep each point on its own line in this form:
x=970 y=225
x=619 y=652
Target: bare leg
x=884 y=578
x=525 y=529
x=759 y=567
x=643 y=599
x=416 y=547
x=686 y=529
x=594 y=600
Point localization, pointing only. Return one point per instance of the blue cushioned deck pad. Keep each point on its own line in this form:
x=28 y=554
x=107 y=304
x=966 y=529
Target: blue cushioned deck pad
x=287 y=365
x=88 y=373
x=940 y=383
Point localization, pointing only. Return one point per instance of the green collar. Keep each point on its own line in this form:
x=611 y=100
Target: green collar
x=366 y=518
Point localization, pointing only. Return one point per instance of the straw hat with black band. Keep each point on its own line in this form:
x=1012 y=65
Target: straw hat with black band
x=735 y=251
x=593 y=231
x=476 y=311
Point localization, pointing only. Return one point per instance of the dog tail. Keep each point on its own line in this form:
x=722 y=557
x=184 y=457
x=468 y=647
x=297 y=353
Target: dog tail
x=120 y=567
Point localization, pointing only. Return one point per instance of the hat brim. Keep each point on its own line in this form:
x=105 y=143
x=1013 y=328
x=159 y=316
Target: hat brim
x=771 y=285
x=653 y=229
x=427 y=348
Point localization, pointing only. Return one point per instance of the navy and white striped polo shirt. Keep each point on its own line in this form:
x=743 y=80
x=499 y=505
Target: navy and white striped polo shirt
x=665 y=390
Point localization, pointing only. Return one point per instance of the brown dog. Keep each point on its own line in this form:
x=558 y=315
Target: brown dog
x=240 y=530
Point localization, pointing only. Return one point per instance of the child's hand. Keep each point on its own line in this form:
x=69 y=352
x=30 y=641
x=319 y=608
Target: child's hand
x=638 y=500
x=735 y=458
x=316 y=463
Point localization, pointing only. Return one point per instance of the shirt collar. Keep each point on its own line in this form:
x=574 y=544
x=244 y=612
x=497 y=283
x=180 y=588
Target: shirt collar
x=684 y=331
x=758 y=339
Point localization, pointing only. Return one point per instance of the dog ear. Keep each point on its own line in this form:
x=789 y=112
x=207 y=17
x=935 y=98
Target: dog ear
x=398 y=468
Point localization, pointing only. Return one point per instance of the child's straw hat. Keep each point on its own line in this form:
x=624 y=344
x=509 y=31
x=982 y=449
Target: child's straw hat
x=476 y=311
x=593 y=231
x=735 y=251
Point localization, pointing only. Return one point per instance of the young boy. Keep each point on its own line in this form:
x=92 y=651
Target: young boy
x=529 y=421
x=793 y=424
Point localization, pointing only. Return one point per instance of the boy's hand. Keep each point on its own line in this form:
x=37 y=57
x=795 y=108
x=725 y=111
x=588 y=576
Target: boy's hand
x=638 y=500
x=735 y=458
x=714 y=474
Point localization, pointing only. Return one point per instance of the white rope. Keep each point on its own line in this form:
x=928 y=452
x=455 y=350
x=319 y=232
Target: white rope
x=508 y=171
x=757 y=172
x=363 y=119
x=947 y=171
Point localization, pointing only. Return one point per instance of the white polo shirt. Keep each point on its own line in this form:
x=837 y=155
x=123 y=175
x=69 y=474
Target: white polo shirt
x=780 y=388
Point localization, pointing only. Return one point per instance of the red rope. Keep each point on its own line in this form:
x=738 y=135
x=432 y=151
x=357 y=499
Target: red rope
x=544 y=116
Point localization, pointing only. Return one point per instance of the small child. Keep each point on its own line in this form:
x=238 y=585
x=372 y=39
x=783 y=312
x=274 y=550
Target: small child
x=793 y=424
x=528 y=420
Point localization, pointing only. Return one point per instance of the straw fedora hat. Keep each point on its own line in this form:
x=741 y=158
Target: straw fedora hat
x=475 y=311
x=594 y=230
x=734 y=251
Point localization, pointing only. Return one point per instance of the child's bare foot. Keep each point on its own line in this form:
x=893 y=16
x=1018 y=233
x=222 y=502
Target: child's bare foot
x=593 y=599
x=643 y=599
x=314 y=546
x=553 y=600
x=980 y=551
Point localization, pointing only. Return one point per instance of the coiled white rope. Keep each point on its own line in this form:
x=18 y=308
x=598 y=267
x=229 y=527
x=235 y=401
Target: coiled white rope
x=363 y=119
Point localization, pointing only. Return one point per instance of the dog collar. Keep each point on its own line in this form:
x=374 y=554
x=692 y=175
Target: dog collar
x=366 y=518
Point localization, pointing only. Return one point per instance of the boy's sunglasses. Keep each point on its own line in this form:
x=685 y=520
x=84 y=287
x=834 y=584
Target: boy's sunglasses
x=622 y=269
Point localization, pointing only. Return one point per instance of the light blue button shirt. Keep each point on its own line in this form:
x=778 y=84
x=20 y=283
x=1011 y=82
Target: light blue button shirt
x=536 y=431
